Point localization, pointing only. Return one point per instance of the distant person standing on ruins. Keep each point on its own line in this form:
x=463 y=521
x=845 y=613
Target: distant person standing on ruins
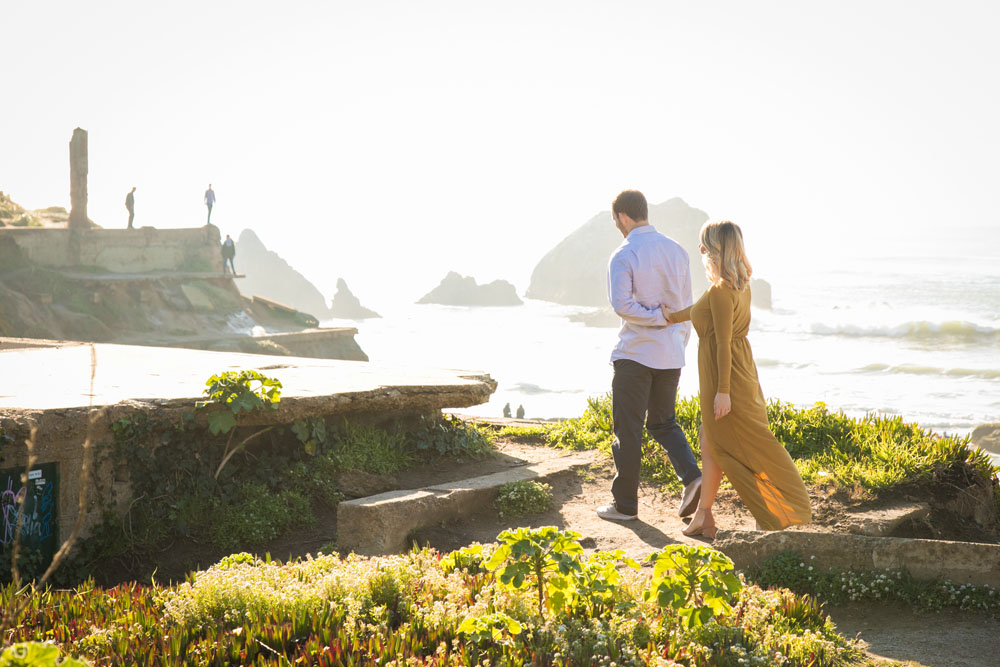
x=646 y=271
x=130 y=205
x=228 y=252
x=209 y=202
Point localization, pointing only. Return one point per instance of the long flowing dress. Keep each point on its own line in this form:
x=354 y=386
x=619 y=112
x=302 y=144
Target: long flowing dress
x=757 y=465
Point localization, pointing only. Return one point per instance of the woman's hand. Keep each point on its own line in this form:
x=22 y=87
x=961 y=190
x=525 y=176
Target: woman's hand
x=723 y=406
x=666 y=314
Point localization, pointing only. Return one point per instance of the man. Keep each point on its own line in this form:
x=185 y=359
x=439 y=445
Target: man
x=209 y=202
x=130 y=205
x=228 y=252
x=647 y=270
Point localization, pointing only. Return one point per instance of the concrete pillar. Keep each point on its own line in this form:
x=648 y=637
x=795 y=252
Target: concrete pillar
x=78 y=180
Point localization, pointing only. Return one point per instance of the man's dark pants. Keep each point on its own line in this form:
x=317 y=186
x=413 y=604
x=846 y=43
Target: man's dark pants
x=131 y=217
x=639 y=392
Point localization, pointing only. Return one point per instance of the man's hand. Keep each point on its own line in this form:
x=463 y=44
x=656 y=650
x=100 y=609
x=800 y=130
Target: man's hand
x=723 y=406
x=666 y=314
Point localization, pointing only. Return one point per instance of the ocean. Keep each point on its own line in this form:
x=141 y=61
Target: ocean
x=916 y=335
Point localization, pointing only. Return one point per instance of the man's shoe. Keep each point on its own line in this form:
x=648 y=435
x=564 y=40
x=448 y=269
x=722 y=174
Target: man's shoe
x=612 y=514
x=689 y=501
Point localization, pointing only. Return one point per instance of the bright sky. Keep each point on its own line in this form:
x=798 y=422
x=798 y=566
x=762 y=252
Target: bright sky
x=389 y=142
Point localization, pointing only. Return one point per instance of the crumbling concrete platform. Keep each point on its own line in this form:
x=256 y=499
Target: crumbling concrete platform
x=57 y=387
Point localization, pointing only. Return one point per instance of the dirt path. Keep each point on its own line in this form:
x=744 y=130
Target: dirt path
x=949 y=638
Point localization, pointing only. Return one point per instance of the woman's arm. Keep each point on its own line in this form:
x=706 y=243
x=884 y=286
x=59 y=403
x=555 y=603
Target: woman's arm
x=678 y=317
x=723 y=311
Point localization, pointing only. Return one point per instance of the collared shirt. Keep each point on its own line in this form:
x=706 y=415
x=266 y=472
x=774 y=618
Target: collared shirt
x=210 y=196
x=646 y=271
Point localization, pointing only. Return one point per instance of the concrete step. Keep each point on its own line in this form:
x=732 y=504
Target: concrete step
x=960 y=562
x=382 y=524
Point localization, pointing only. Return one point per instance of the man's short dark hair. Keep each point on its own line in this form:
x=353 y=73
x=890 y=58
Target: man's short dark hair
x=633 y=204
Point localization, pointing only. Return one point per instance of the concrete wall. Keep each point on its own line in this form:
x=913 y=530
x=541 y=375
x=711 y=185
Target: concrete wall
x=141 y=250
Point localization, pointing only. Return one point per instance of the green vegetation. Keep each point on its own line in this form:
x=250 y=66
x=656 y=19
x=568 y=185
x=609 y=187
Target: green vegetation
x=190 y=482
x=419 y=608
x=801 y=575
x=517 y=499
x=36 y=654
x=875 y=454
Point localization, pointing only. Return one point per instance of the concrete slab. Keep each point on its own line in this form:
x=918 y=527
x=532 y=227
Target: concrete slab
x=382 y=524
x=881 y=522
x=58 y=378
x=961 y=562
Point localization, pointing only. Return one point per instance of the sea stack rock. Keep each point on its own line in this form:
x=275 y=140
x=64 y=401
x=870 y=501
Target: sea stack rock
x=269 y=276
x=760 y=293
x=575 y=271
x=457 y=290
x=987 y=436
x=346 y=306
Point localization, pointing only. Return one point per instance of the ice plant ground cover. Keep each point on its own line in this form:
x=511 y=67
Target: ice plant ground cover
x=533 y=598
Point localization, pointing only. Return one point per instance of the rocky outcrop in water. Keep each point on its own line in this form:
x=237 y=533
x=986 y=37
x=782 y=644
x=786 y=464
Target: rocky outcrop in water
x=575 y=271
x=457 y=290
x=347 y=306
x=269 y=276
x=987 y=436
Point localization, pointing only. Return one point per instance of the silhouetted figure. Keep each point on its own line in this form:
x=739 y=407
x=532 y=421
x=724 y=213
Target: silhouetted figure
x=209 y=202
x=130 y=205
x=506 y=410
x=228 y=252
x=520 y=412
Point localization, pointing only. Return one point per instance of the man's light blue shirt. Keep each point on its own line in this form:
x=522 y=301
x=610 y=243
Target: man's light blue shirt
x=646 y=271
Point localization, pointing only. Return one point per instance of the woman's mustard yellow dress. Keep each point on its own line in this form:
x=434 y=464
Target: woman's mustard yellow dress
x=757 y=465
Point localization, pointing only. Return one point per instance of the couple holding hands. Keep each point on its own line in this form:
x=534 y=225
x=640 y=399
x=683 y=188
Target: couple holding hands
x=649 y=286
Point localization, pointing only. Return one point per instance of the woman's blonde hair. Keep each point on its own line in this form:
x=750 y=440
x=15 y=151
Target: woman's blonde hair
x=724 y=257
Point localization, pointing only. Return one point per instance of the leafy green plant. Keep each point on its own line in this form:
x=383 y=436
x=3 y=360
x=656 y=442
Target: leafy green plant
x=470 y=559
x=448 y=436
x=695 y=581
x=311 y=432
x=542 y=558
x=497 y=627
x=37 y=654
x=229 y=395
x=523 y=497
x=232 y=393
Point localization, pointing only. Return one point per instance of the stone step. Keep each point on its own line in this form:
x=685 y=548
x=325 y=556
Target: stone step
x=382 y=524
x=960 y=562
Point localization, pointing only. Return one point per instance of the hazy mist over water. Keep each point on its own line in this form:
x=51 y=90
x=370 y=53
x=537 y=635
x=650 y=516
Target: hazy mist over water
x=390 y=142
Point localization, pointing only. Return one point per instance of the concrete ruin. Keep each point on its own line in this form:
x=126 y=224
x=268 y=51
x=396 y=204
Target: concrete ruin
x=57 y=389
x=78 y=170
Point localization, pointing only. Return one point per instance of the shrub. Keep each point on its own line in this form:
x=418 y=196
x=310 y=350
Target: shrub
x=516 y=499
x=413 y=609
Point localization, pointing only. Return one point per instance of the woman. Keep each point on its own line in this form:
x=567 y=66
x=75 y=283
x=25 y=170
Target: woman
x=735 y=437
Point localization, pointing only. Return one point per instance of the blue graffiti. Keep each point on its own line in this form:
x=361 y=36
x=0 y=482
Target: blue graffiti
x=35 y=513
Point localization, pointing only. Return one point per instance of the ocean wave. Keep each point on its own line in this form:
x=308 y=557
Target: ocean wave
x=771 y=363
x=916 y=369
x=915 y=329
x=530 y=389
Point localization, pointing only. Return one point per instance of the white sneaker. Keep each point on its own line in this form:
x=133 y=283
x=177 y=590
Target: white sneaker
x=689 y=501
x=612 y=514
